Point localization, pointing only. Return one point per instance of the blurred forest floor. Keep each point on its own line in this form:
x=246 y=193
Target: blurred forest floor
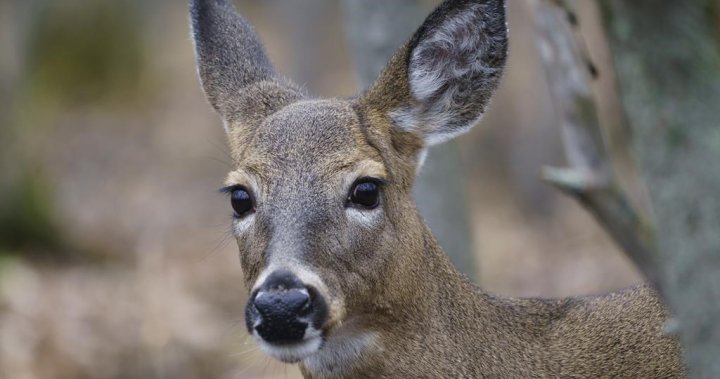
x=115 y=255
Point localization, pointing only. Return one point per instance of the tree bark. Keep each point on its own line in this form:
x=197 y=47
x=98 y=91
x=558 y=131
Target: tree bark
x=589 y=176
x=667 y=58
x=375 y=29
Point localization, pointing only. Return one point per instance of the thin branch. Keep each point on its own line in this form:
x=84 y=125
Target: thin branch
x=589 y=177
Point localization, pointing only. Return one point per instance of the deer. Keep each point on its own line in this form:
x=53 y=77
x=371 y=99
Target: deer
x=343 y=276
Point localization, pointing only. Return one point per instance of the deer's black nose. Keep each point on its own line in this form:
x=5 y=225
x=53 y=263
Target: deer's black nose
x=282 y=304
x=282 y=309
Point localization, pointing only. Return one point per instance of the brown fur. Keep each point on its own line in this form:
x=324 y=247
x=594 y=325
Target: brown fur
x=387 y=282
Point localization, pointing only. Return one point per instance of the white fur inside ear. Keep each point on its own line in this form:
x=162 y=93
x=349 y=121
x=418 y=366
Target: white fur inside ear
x=452 y=72
x=427 y=125
x=459 y=39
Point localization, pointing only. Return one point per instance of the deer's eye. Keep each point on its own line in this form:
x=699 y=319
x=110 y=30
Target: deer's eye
x=365 y=193
x=241 y=201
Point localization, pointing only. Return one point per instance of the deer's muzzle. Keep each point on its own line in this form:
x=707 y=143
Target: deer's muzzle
x=284 y=311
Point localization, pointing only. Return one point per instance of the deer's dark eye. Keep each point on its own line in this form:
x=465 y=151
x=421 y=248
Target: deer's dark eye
x=365 y=193
x=241 y=201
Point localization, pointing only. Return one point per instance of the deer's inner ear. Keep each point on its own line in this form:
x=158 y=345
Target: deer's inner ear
x=451 y=66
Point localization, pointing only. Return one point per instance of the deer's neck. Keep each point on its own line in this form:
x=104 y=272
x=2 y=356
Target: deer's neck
x=447 y=302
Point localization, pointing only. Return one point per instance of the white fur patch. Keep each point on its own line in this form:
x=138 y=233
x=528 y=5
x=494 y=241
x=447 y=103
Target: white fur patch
x=436 y=137
x=339 y=354
x=291 y=353
x=422 y=155
x=366 y=217
x=430 y=125
x=243 y=224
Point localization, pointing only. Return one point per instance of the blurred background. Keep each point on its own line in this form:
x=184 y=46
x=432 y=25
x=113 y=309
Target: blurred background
x=115 y=254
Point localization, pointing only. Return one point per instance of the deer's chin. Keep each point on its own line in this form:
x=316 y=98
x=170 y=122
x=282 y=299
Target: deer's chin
x=292 y=353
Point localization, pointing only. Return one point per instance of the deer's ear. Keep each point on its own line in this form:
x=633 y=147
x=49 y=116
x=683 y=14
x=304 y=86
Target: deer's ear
x=235 y=72
x=439 y=83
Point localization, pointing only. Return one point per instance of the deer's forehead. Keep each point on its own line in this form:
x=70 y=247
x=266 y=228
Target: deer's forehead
x=310 y=134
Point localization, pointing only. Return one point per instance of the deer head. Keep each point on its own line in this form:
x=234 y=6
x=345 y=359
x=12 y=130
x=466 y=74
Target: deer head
x=330 y=242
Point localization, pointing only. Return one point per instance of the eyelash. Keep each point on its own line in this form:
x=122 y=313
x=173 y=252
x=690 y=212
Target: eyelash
x=229 y=189
x=378 y=181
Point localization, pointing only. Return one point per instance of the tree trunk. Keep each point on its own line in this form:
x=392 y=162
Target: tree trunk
x=667 y=58
x=376 y=28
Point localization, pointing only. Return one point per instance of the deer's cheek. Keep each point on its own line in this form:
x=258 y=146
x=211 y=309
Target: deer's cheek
x=251 y=261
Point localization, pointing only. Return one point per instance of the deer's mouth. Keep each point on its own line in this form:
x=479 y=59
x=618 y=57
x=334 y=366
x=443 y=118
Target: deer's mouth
x=296 y=351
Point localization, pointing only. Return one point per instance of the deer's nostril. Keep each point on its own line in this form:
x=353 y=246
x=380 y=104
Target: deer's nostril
x=306 y=308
